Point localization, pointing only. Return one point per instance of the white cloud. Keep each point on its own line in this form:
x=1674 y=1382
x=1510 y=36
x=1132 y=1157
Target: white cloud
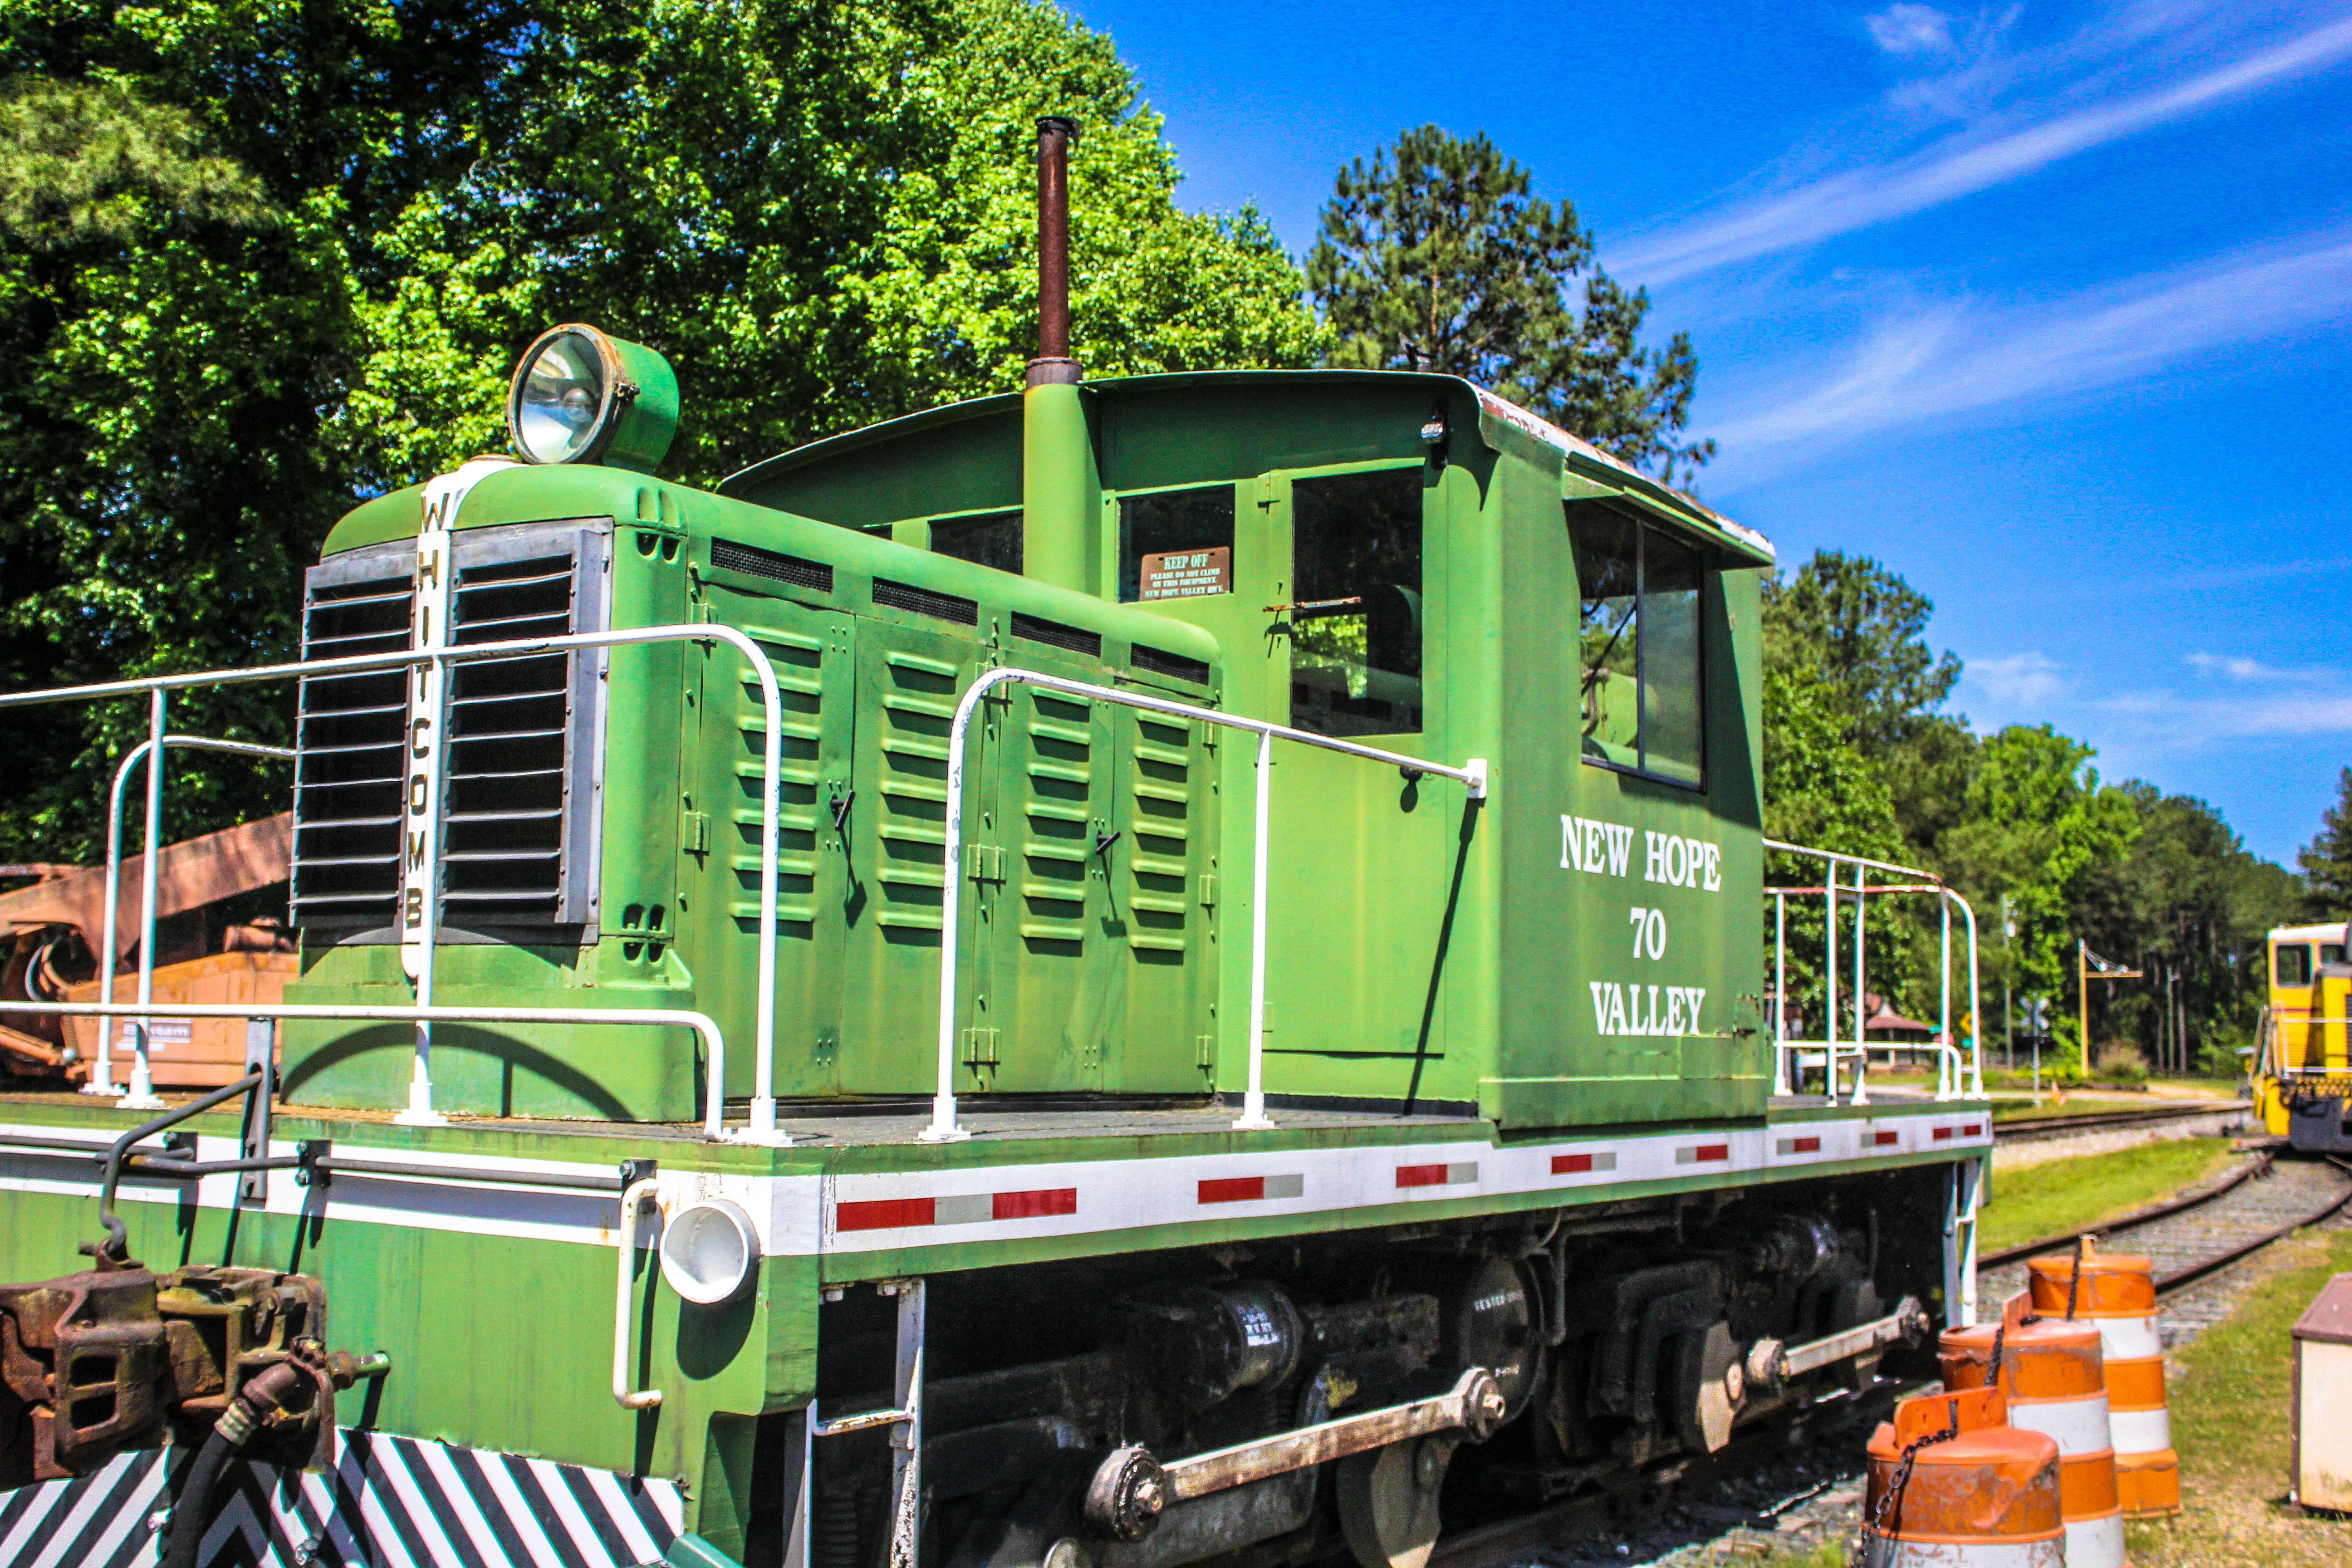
x=1906 y=30
x=1949 y=357
x=1961 y=165
x=2018 y=680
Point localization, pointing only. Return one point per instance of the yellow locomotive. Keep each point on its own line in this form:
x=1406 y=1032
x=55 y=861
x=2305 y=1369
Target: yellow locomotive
x=2302 y=1067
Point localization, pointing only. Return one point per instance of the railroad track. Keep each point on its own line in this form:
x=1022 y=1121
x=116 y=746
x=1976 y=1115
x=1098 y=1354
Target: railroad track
x=1675 y=1510
x=2032 y=1129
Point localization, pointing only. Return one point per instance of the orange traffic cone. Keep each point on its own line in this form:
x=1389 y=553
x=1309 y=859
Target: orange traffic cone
x=2117 y=1293
x=2051 y=1372
x=1952 y=1485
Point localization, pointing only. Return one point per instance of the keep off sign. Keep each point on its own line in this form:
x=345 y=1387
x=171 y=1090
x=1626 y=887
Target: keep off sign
x=1188 y=573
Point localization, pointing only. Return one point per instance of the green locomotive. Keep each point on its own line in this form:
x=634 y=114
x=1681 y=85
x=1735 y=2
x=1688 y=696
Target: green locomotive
x=690 y=1139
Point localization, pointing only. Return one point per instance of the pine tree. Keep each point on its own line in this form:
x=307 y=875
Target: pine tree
x=2326 y=860
x=1440 y=256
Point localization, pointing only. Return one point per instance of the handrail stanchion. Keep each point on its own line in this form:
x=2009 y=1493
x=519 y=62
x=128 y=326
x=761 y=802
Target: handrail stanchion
x=1782 y=1083
x=141 y=1095
x=1944 y=1087
x=102 y=1078
x=1828 y=981
x=1253 y=1117
x=944 y=1129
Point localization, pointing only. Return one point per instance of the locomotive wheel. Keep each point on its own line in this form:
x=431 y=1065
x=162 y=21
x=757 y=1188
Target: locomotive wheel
x=1710 y=1384
x=1388 y=1501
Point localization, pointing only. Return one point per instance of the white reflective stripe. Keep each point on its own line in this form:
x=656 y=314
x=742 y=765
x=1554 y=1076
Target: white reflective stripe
x=1880 y=1552
x=2097 y=1542
x=2141 y=1431
x=2079 y=1425
x=2128 y=1338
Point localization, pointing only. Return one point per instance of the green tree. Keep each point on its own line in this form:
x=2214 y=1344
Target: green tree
x=1439 y=257
x=2326 y=860
x=261 y=259
x=1865 y=629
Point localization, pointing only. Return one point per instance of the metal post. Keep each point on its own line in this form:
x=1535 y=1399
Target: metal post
x=1780 y=1080
x=1828 y=980
x=1944 y=974
x=142 y=1094
x=1253 y=1117
x=907 y=1435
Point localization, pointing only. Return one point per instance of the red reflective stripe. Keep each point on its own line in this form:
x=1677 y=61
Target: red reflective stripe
x=1421 y=1175
x=1942 y=1133
x=1570 y=1164
x=1712 y=1151
x=1804 y=1146
x=1233 y=1190
x=1975 y=1129
x=1037 y=1205
x=1880 y=1139
x=883 y=1214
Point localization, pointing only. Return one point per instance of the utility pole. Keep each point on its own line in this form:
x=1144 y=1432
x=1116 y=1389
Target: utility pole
x=2084 y=960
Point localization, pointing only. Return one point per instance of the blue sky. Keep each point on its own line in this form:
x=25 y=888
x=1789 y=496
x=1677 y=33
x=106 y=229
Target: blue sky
x=2044 y=305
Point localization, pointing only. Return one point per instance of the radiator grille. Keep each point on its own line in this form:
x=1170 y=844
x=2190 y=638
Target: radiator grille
x=1161 y=662
x=520 y=746
x=926 y=601
x=347 y=784
x=509 y=746
x=729 y=556
x=1036 y=628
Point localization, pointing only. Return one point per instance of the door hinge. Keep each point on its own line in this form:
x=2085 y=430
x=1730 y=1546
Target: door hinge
x=1204 y=1052
x=696 y=835
x=979 y=1047
x=985 y=862
x=1208 y=889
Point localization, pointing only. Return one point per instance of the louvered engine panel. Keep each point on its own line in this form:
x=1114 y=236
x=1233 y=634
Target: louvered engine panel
x=524 y=736
x=348 y=780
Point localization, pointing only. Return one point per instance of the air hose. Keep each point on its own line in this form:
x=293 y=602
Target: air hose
x=262 y=1395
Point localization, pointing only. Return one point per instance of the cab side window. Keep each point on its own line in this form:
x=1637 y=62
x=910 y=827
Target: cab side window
x=2292 y=963
x=1355 y=619
x=1176 y=544
x=1641 y=691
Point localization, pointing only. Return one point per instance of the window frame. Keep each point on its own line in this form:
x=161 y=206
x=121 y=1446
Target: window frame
x=1290 y=480
x=1708 y=569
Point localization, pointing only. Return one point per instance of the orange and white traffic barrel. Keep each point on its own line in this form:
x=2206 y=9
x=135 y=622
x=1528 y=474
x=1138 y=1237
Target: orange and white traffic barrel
x=2050 y=1370
x=2117 y=1293
x=1953 y=1485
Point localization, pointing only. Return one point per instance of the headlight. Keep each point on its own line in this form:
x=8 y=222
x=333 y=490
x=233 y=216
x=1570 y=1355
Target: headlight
x=709 y=1250
x=582 y=397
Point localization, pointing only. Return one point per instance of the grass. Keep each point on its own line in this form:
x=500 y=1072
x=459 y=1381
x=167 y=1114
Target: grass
x=2059 y=1196
x=2230 y=1423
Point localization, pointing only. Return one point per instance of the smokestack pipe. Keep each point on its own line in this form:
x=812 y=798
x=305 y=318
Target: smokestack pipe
x=1054 y=366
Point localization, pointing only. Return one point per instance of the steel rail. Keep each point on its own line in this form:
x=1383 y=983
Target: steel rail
x=2180 y=1277
x=761 y=1125
x=944 y=1129
x=2032 y=1129
x=2133 y=1221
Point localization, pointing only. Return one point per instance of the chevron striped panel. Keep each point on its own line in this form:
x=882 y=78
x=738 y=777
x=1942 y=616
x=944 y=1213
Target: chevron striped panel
x=390 y=1502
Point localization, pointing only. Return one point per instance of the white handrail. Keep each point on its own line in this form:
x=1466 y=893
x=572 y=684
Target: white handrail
x=631 y=1201
x=762 y=1119
x=1970 y=1064
x=141 y=1093
x=713 y=1039
x=943 y=1128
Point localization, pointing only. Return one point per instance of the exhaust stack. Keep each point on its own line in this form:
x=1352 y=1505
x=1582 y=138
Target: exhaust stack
x=1054 y=366
x=1061 y=504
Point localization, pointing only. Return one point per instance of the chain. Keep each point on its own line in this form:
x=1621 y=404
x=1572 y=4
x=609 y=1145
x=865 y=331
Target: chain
x=2074 y=1279
x=1993 y=1371
x=1890 y=1501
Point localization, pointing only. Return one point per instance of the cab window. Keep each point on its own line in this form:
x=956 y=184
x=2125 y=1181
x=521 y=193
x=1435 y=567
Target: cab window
x=2330 y=953
x=1640 y=688
x=1355 y=617
x=984 y=538
x=2292 y=963
x=1176 y=544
